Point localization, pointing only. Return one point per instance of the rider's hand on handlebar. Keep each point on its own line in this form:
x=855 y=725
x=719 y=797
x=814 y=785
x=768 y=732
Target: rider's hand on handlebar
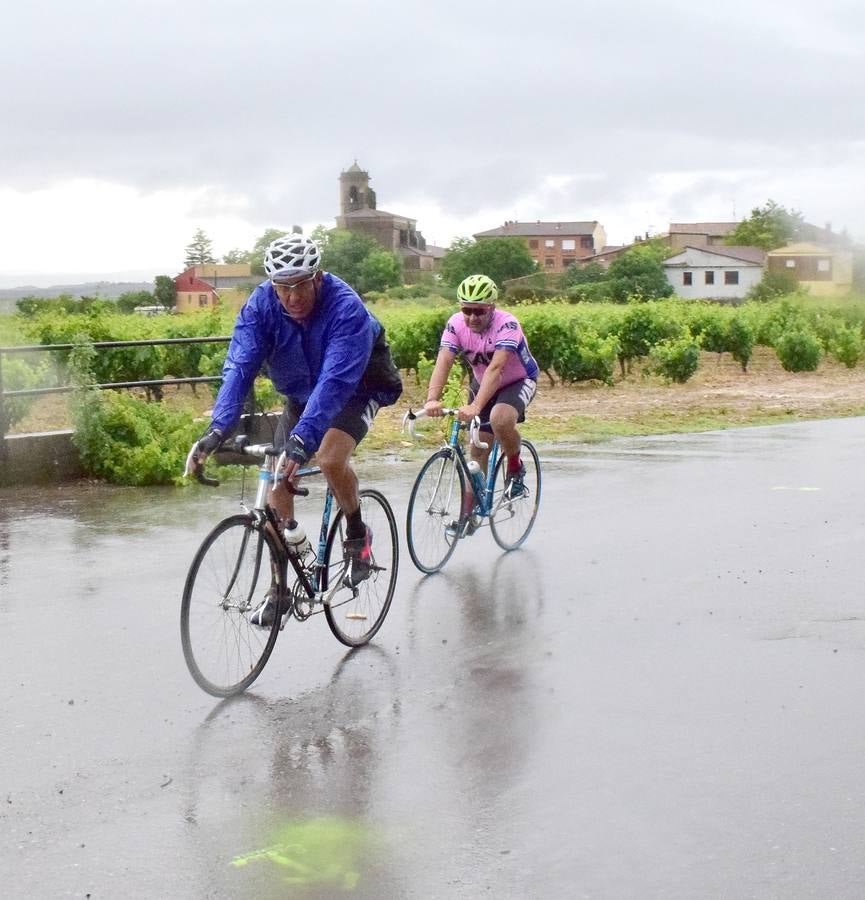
x=433 y=408
x=199 y=452
x=295 y=455
x=205 y=445
x=467 y=413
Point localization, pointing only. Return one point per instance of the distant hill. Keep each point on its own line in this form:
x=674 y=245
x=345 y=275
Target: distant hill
x=110 y=290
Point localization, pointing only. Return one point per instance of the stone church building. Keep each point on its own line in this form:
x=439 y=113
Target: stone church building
x=399 y=234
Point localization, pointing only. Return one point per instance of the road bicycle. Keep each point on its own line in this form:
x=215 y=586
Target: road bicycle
x=433 y=526
x=246 y=555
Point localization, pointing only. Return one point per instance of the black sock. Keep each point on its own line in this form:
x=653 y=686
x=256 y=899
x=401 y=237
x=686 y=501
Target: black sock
x=356 y=528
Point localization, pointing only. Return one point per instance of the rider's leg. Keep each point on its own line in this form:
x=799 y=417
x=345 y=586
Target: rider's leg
x=333 y=456
x=503 y=419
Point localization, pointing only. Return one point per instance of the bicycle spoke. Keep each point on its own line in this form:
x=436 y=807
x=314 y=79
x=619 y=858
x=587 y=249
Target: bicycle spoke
x=435 y=502
x=512 y=518
x=229 y=576
x=355 y=614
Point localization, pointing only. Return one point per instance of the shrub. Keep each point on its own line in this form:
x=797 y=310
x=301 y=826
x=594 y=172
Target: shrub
x=20 y=375
x=587 y=357
x=643 y=326
x=591 y=292
x=798 y=350
x=548 y=330
x=773 y=285
x=846 y=345
x=676 y=359
x=741 y=337
x=709 y=324
x=126 y=440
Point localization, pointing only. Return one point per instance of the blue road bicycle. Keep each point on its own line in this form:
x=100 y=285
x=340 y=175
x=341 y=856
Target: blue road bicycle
x=245 y=557
x=433 y=520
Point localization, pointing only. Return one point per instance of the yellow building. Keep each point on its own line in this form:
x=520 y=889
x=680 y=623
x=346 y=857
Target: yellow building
x=824 y=271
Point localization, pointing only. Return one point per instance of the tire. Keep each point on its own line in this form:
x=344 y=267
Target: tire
x=356 y=614
x=436 y=500
x=512 y=520
x=228 y=578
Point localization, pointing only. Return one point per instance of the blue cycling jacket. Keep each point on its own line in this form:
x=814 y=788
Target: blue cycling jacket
x=319 y=362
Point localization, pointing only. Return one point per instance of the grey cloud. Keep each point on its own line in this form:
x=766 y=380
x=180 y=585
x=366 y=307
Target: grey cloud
x=473 y=104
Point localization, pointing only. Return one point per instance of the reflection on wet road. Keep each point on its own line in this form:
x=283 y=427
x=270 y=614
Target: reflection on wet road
x=655 y=697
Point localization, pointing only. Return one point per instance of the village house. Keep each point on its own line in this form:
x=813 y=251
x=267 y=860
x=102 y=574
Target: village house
x=203 y=286
x=715 y=273
x=698 y=234
x=824 y=271
x=553 y=245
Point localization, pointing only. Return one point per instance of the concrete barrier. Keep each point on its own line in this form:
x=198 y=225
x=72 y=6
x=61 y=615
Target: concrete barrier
x=39 y=458
x=49 y=456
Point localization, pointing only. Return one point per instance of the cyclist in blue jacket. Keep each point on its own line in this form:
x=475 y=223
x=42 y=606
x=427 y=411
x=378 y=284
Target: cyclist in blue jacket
x=328 y=356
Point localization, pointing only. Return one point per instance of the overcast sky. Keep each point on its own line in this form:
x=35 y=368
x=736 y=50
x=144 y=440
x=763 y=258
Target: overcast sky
x=128 y=124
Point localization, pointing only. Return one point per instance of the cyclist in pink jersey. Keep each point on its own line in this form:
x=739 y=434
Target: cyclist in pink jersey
x=504 y=375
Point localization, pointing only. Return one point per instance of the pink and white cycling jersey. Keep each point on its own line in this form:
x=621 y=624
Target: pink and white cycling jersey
x=504 y=333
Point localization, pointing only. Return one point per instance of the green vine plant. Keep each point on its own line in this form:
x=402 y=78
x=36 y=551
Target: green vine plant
x=122 y=438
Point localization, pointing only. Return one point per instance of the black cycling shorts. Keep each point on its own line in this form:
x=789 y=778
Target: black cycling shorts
x=355 y=419
x=519 y=394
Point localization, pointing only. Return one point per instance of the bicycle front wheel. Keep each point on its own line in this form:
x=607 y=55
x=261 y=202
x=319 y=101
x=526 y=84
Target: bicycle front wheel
x=512 y=517
x=235 y=566
x=436 y=501
x=355 y=614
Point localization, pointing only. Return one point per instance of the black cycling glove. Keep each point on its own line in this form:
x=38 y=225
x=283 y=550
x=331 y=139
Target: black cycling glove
x=209 y=441
x=295 y=450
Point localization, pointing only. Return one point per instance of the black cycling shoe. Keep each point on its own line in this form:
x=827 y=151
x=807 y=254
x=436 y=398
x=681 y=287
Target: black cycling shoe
x=515 y=485
x=465 y=527
x=266 y=612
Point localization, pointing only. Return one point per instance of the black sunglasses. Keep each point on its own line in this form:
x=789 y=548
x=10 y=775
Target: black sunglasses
x=475 y=310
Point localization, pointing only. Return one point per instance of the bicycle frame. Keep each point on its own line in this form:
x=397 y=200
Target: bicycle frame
x=314 y=579
x=453 y=445
x=485 y=502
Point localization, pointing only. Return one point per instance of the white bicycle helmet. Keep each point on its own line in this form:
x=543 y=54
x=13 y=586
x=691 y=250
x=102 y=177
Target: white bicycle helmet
x=290 y=255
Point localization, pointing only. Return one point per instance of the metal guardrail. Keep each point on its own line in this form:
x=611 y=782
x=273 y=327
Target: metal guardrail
x=97 y=345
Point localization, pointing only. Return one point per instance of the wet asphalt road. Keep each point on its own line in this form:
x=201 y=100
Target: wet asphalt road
x=659 y=697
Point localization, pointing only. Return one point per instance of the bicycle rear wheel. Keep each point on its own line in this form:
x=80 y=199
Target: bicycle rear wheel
x=512 y=517
x=231 y=572
x=436 y=500
x=356 y=614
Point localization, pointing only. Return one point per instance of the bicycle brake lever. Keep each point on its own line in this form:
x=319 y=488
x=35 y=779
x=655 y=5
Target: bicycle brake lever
x=196 y=470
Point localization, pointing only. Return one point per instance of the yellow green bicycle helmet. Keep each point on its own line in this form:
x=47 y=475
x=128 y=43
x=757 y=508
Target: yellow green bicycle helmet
x=477 y=289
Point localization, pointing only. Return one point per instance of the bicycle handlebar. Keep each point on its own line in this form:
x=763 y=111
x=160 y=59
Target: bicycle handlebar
x=241 y=445
x=474 y=427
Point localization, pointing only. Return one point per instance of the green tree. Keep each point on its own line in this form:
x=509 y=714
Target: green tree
x=773 y=285
x=255 y=257
x=165 y=292
x=345 y=253
x=768 y=226
x=233 y=257
x=321 y=235
x=639 y=273
x=127 y=301
x=499 y=258
x=199 y=251
x=591 y=273
x=379 y=271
